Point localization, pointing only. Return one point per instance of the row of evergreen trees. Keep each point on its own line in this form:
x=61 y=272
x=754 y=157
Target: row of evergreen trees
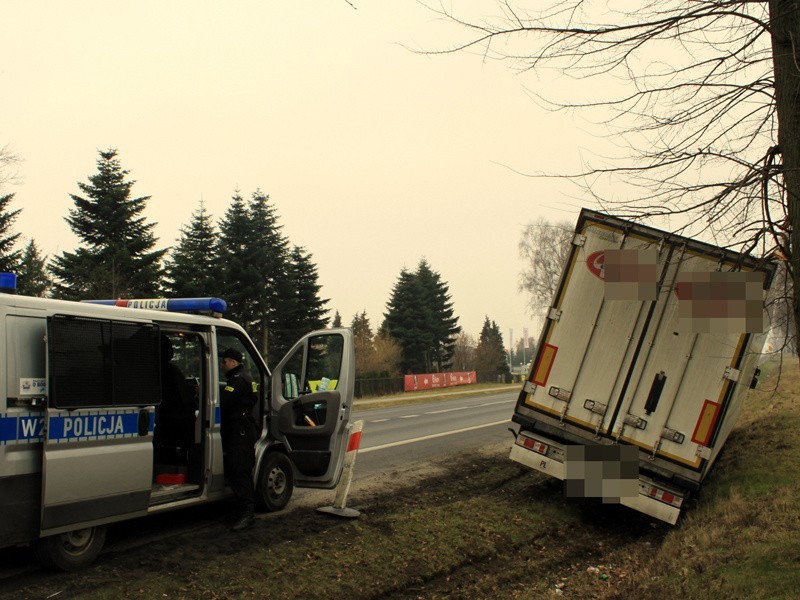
x=420 y=333
x=271 y=286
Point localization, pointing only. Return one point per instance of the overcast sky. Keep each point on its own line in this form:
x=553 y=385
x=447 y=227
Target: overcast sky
x=374 y=156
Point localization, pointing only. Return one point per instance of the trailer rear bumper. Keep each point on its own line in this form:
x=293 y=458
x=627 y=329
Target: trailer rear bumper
x=547 y=456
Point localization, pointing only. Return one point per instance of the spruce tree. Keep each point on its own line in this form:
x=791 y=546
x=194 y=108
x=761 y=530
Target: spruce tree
x=420 y=318
x=9 y=258
x=237 y=279
x=193 y=268
x=275 y=298
x=337 y=320
x=253 y=260
x=444 y=326
x=117 y=258
x=32 y=277
x=490 y=355
x=300 y=308
x=407 y=320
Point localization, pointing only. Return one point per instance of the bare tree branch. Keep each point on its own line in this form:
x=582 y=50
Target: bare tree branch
x=701 y=99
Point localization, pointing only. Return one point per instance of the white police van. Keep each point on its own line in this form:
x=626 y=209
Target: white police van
x=112 y=412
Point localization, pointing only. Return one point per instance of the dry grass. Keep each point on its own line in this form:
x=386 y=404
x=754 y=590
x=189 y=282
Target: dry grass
x=483 y=527
x=742 y=539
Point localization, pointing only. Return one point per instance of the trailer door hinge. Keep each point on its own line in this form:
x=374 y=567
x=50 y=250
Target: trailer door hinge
x=578 y=239
x=529 y=387
x=732 y=374
x=554 y=314
x=704 y=452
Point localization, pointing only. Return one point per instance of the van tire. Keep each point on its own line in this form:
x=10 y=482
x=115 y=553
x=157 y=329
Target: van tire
x=72 y=550
x=275 y=482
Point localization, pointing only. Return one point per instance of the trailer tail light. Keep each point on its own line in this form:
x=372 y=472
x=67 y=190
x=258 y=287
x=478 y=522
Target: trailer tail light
x=532 y=444
x=664 y=496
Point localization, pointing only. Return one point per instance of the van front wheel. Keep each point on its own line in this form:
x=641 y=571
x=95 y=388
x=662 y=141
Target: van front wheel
x=275 y=482
x=72 y=550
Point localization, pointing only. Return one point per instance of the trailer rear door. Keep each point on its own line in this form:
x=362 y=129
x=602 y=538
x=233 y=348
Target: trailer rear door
x=619 y=361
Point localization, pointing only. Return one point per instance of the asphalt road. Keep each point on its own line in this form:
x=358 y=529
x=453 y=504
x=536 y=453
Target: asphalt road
x=394 y=436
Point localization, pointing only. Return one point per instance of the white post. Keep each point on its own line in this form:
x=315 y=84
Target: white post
x=354 y=441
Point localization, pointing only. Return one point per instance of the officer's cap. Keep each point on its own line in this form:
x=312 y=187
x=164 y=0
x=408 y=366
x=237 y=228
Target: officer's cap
x=232 y=353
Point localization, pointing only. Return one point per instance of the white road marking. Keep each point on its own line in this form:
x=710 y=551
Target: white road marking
x=432 y=436
x=446 y=410
x=498 y=402
x=408 y=416
x=379 y=420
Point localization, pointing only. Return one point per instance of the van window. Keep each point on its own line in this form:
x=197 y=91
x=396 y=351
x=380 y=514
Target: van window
x=313 y=368
x=324 y=362
x=97 y=363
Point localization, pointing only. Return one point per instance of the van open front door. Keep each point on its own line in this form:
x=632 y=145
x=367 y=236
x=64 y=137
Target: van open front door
x=312 y=395
x=98 y=449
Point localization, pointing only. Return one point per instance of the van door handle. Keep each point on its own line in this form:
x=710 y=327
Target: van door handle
x=144 y=422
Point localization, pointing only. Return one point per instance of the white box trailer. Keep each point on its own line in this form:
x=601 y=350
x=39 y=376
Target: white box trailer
x=645 y=357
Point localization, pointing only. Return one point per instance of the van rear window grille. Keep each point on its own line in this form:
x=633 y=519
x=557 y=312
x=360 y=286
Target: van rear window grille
x=97 y=362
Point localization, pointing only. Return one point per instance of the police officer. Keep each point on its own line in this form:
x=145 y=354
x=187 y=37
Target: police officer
x=239 y=432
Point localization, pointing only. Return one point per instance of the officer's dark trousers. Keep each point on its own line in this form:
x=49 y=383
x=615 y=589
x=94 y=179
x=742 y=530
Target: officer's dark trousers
x=239 y=461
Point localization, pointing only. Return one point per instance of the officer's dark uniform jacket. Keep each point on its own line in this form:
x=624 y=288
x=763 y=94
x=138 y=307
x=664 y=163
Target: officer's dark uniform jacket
x=239 y=432
x=238 y=399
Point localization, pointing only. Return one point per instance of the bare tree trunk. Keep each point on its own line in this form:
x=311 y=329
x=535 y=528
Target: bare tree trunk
x=785 y=30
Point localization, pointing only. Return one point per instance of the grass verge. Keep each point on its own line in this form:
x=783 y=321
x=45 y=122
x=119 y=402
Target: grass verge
x=483 y=527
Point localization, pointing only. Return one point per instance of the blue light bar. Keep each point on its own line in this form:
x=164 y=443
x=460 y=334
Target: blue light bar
x=8 y=282
x=215 y=306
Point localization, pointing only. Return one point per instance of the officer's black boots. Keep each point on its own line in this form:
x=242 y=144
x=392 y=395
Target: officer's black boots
x=246 y=519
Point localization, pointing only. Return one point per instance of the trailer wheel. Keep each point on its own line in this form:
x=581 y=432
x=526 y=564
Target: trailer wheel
x=72 y=550
x=275 y=482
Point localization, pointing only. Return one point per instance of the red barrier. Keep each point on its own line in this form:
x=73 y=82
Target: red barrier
x=431 y=381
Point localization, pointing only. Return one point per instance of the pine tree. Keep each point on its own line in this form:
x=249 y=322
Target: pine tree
x=490 y=355
x=444 y=326
x=337 y=320
x=9 y=258
x=32 y=277
x=193 y=268
x=253 y=259
x=420 y=317
x=300 y=308
x=233 y=261
x=406 y=320
x=117 y=257
x=275 y=299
